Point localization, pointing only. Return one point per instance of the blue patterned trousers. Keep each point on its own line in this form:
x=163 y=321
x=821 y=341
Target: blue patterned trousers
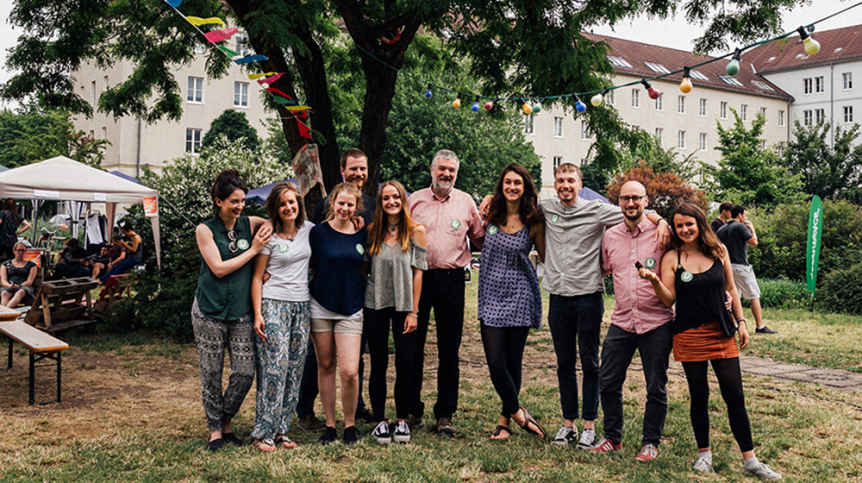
x=280 y=362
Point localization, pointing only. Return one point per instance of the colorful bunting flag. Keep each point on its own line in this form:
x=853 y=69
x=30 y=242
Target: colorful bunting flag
x=219 y=35
x=282 y=101
x=227 y=51
x=276 y=91
x=258 y=76
x=297 y=108
x=205 y=21
x=304 y=130
x=174 y=3
x=251 y=58
x=270 y=79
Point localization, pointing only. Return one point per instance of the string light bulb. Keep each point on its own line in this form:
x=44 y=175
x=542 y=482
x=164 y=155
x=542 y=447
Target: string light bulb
x=537 y=107
x=475 y=106
x=810 y=45
x=652 y=91
x=579 y=105
x=428 y=92
x=457 y=102
x=527 y=108
x=685 y=86
x=597 y=99
x=489 y=105
x=732 y=67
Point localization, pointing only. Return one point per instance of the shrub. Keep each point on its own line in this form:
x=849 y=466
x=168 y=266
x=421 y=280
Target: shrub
x=841 y=290
x=784 y=294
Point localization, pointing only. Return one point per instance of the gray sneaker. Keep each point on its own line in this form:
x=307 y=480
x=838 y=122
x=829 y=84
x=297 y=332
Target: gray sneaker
x=565 y=436
x=703 y=465
x=762 y=470
x=588 y=439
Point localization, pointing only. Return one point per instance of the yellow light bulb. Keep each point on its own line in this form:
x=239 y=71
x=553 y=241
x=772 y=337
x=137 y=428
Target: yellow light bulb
x=527 y=108
x=811 y=46
x=456 y=103
x=685 y=85
x=596 y=100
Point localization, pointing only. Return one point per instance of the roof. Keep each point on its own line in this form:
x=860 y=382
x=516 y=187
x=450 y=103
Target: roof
x=645 y=60
x=839 y=45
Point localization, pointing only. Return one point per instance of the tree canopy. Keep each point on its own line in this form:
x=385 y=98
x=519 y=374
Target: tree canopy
x=528 y=49
x=828 y=171
x=234 y=125
x=31 y=135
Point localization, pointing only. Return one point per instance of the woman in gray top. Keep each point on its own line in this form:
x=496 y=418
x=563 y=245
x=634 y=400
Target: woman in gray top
x=396 y=257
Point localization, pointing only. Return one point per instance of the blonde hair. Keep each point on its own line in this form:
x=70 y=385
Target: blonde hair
x=349 y=188
x=19 y=243
x=405 y=224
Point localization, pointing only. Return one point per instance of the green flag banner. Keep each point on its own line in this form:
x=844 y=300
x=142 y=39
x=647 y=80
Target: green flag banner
x=812 y=249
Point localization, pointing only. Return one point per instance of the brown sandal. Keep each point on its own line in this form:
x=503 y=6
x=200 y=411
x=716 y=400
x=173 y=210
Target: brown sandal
x=499 y=431
x=528 y=420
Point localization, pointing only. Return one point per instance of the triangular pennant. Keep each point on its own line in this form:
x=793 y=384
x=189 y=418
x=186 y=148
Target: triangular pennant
x=297 y=108
x=205 y=21
x=219 y=35
x=227 y=51
x=251 y=58
x=258 y=76
x=276 y=91
x=174 y=3
x=270 y=79
x=304 y=130
x=282 y=101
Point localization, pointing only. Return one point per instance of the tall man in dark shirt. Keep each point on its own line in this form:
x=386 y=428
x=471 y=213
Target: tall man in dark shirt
x=723 y=216
x=737 y=234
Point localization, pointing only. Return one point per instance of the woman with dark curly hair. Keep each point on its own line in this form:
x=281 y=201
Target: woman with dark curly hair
x=696 y=275
x=510 y=302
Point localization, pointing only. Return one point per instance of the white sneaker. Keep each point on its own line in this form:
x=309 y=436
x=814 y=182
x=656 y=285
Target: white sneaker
x=402 y=432
x=588 y=439
x=565 y=436
x=381 y=433
x=762 y=471
x=703 y=465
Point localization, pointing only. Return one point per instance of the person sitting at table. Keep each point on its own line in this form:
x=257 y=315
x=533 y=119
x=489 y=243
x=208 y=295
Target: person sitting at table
x=70 y=265
x=16 y=277
x=133 y=257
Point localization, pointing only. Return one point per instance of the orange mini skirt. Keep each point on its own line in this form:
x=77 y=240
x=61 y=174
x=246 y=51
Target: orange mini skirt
x=705 y=343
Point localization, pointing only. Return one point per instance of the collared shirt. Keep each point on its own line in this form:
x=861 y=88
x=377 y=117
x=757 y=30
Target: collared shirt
x=573 y=242
x=637 y=309
x=448 y=223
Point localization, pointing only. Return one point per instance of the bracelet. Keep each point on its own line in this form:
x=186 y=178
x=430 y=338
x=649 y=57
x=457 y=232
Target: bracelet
x=414 y=314
x=741 y=319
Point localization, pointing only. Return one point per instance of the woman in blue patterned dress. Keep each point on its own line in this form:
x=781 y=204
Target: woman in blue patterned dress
x=281 y=317
x=510 y=303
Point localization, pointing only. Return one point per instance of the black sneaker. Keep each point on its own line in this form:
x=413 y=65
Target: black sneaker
x=381 y=433
x=351 y=435
x=765 y=330
x=330 y=435
x=232 y=439
x=402 y=432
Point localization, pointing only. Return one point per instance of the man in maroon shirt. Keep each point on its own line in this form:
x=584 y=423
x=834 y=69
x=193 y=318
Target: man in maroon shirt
x=640 y=322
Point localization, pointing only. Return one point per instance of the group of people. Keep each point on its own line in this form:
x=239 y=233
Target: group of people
x=384 y=264
x=125 y=252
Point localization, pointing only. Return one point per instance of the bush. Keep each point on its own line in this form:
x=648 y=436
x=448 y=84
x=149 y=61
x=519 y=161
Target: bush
x=783 y=294
x=841 y=290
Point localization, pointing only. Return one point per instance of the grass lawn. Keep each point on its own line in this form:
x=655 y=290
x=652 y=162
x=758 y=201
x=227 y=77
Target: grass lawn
x=132 y=411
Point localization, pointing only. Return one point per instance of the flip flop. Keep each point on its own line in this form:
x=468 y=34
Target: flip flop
x=285 y=442
x=498 y=431
x=267 y=442
x=528 y=420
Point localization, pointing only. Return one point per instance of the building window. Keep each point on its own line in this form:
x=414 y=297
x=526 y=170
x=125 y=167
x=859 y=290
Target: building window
x=240 y=94
x=848 y=80
x=722 y=111
x=528 y=124
x=104 y=132
x=585 y=133
x=819 y=85
x=680 y=140
x=763 y=144
x=199 y=48
x=659 y=102
x=636 y=128
x=763 y=111
x=807 y=117
x=819 y=115
x=95 y=99
x=242 y=44
x=848 y=114
x=743 y=112
x=196 y=89
x=609 y=98
x=107 y=86
x=636 y=98
x=781 y=148
x=703 y=108
x=808 y=85
x=780 y=118
x=558 y=160
x=193 y=141
x=703 y=141
x=680 y=105
x=658 y=134
x=558 y=127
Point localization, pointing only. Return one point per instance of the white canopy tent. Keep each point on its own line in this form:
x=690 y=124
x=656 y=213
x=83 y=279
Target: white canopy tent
x=64 y=179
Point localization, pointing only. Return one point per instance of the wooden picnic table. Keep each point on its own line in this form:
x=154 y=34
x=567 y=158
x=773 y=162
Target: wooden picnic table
x=41 y=346
x=7 y=314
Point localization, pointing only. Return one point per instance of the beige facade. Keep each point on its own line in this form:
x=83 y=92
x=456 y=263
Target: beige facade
x=135 y=144
x=689 y=124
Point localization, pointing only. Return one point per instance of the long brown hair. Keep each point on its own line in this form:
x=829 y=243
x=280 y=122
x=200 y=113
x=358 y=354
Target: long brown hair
x=9 y=205
x=529 y=205
x=349 y=188
x=405 y=223
x=709 y=244
x=274 y=200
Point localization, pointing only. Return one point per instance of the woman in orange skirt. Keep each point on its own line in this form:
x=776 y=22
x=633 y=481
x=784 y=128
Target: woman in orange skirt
x=696 y=275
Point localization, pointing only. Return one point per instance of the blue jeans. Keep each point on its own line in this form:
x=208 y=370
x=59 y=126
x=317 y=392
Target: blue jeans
x=120 y=269
x=577 y=320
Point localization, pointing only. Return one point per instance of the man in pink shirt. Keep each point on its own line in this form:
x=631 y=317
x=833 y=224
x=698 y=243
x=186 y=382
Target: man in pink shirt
x=450 y=217
x=640 y=322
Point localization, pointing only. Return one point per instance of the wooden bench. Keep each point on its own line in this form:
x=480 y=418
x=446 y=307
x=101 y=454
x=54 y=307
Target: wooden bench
x=62 y=304
x=41 y=345
x=114 y=290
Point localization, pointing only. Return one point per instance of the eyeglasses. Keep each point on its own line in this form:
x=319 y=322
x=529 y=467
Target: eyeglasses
x=20 y=250
x=231 y=235
x=626 y=199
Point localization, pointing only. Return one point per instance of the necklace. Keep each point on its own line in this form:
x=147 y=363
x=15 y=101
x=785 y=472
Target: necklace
x=393 y=227
x=290 y=238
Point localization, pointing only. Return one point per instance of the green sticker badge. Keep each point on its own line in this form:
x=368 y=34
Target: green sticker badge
x=492 y=230
x=649 y=263
x=686 y=276
x=360 y=248
x=455 y=224
x=242 y=244
x=554 y=218
x=283 y=247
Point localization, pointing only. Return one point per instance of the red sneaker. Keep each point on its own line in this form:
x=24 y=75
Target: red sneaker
x=648 y=453
x=605 y=446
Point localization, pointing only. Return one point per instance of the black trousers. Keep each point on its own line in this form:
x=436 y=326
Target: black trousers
x=617 y=352
x=504 y=351
x=443 y=292
x=378 y=324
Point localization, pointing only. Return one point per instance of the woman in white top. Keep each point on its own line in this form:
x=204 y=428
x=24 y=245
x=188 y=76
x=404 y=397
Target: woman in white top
x=281 y=317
